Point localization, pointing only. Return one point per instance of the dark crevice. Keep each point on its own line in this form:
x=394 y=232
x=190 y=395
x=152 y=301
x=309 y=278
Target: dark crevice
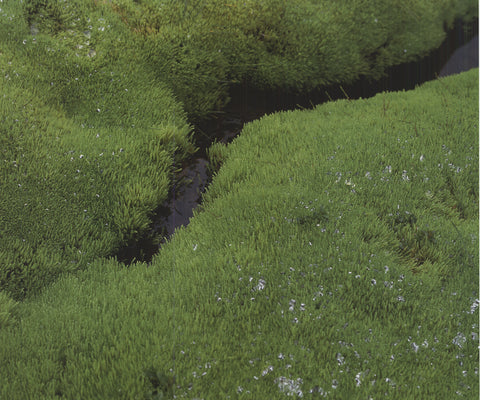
x=458 y=52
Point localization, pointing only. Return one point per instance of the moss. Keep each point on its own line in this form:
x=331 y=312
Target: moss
x=302 y=272
x=88 y=149
x=336 y=251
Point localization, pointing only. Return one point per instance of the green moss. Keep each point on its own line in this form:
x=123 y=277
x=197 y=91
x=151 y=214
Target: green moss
x=202 y=47
x=7 y=310
x=336 y=251
x=301 y=273
x=88 y=148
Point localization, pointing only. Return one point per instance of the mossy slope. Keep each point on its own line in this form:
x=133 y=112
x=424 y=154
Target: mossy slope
x=96 y=85
x=335 y=255
x=202 y=47
x=88 y=148
x=205 y=46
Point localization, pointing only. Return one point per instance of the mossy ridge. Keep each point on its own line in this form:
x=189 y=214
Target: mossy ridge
x=289 y=281
x=44 y=187
x=81 y=137
x=206 y=46
x=94 y=86
x=412 y=150
x=201 y=48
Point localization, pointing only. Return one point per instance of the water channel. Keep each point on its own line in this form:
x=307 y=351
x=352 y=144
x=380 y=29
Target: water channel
x=458 y=52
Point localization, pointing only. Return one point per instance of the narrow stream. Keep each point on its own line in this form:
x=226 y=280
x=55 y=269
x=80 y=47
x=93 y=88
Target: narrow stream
x=458 y=52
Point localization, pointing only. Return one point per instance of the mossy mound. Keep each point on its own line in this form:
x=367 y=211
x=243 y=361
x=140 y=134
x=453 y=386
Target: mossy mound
x=88 y=146
x=96 y=86
x=335 y=256
x=205 y=46
x=202 y=47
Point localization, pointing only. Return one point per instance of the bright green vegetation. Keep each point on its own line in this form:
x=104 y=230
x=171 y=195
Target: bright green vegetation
x=96 y=96
x=88 y=147
x=335 y=253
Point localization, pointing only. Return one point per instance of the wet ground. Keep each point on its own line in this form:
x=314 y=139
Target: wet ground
x=458 y=53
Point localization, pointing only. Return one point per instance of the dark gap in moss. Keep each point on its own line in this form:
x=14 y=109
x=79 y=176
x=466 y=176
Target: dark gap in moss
x=457 y=53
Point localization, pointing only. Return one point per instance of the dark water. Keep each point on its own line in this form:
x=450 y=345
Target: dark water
x=458 y=53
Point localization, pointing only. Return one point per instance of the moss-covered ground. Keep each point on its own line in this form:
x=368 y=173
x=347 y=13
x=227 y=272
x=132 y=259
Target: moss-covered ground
x=88 y=145
x=335 y=254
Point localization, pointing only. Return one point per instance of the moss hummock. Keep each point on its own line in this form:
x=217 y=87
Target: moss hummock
x=88 y=149
x=335 y=256
x=335 y=253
